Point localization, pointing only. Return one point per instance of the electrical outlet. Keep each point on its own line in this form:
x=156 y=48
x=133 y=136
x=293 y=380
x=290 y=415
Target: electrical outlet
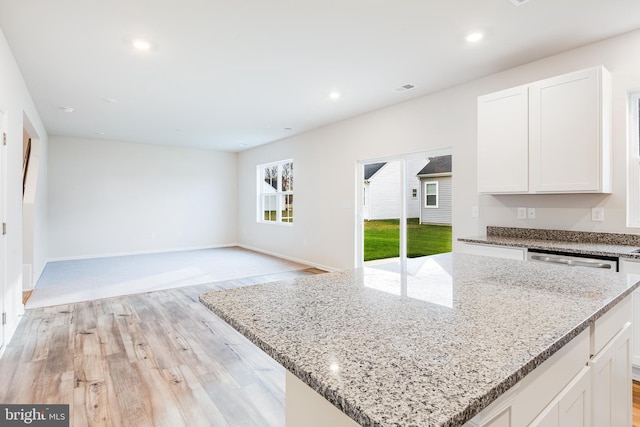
x=597 y=214
x=475 y=212
x=522 y=213
x=531 y=213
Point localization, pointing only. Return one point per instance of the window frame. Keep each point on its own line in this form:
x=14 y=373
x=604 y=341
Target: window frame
x=633 y=158
x=279 y=194
x=437 y=194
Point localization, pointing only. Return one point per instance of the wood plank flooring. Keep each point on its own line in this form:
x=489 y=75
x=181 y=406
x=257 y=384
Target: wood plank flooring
x=636 y=404
x=153 y=359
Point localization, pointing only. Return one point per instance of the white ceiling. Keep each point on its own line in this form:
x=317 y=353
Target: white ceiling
x=229 y=75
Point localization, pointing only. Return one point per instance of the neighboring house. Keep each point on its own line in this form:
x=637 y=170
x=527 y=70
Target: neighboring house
x=381 y=192
x=435 y=183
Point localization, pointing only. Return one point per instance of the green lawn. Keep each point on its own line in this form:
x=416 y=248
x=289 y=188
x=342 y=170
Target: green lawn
x=382 y=237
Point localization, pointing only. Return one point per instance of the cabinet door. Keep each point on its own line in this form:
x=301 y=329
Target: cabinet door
x=505 y=252
x=612 y=382
x=572 y=407
x=633 y=267
x=503 y=141
x=550 y=417
x=566 y=128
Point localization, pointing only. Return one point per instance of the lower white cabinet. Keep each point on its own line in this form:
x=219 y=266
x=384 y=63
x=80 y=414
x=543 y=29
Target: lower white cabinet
x=633 y=267
x=507 y=252
x=571 y=408
x=612 y=381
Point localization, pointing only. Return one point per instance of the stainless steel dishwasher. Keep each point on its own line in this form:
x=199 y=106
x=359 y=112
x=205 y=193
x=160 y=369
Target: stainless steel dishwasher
x=573 y=260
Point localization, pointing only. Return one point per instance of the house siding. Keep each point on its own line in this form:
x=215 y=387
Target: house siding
x=382 y=193
x=443 y=213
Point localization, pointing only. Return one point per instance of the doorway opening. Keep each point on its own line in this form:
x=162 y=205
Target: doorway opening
x=405 y=210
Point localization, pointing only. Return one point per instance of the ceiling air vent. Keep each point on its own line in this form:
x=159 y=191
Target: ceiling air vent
x=404 y=87
x=519 y=2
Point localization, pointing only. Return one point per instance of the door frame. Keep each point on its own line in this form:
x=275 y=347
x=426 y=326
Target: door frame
x=3 y=216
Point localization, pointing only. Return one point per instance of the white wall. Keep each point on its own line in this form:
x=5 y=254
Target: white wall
x=16 y=106
x=111 y=197
x=324 y=229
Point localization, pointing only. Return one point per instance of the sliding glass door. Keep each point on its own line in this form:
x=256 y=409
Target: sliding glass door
x=405 y=207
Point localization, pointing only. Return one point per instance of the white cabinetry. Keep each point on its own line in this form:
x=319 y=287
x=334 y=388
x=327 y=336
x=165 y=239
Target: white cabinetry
x=550 y=136
x=633 y=267
x=503 y=141
x=611 y=371
x=496 y=251
x=571 y=407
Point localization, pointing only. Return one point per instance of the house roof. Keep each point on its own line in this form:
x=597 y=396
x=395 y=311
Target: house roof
x=437 y=166
x=371 y=169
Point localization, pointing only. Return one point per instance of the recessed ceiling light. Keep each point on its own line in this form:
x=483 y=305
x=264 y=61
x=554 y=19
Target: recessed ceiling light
x=335 y=95
x=141 y=44
x=474 y=37
x=99 y=133
x=67 y=109
x=110 y=100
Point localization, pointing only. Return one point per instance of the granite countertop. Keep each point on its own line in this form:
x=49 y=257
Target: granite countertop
x=576 y=242
x=431 y=347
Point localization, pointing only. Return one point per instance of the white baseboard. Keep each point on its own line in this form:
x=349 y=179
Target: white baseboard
x=298 y=260
x=155 y=251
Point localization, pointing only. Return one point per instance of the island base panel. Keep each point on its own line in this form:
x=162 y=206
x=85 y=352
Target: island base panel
x=306 y=408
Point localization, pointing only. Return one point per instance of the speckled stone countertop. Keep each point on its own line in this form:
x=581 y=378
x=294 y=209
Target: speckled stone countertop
x=431 y=347
x=577 y=242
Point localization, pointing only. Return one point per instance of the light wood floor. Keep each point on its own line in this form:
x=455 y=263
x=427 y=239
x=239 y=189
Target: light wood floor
x=636 y=404
x=154 y=359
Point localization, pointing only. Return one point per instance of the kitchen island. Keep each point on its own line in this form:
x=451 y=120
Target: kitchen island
x=433 y=343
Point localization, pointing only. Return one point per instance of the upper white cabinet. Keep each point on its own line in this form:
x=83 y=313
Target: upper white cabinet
x=503 y=141
x=550 y=136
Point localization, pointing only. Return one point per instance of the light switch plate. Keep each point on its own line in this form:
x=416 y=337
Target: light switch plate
x=597 y=214
x=475 y=212
x=531 y=213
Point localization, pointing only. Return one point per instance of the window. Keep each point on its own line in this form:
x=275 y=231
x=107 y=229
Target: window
x=633 y=154
x=275 y=192
x=414 y=193
x=431 y=194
